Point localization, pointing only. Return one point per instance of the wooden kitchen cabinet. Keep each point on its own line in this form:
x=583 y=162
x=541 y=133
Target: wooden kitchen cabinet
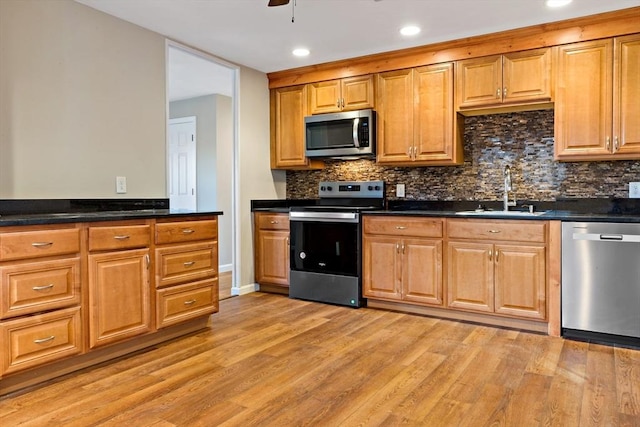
x=119 y=287
x=352 y=93
x=289 y=106
x=186 y=270
x=597 y=109
x=519 y=77
x=272 y=249
x=402 y=259
x=39 y=296
x=497 y=267
x=416 y=118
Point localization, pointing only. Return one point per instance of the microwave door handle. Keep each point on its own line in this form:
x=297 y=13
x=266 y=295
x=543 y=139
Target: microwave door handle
x=356 y=141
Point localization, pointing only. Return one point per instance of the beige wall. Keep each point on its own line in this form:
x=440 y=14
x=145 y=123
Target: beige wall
x=82 y=100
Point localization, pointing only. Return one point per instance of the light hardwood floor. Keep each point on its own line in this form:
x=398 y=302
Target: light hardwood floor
x=271 y=361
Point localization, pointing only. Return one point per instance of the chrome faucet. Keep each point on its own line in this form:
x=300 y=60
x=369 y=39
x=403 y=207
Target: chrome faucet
x=508 y=187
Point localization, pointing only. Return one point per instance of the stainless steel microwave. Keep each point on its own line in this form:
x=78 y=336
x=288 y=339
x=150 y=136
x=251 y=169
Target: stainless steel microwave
x=346 y=134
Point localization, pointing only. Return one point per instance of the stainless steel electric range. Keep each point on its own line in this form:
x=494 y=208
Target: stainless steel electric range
x=326 y=256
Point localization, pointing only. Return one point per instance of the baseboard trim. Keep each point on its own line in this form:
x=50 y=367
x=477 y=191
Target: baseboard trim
x=246 y=289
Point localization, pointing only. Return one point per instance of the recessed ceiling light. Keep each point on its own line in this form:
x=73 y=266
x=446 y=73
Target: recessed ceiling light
x=558 y=3
x=409 y=30
x=301 y=51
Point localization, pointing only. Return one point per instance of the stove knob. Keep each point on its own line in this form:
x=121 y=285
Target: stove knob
x=370 y=187
x=377 y=188
x=329 y=188
x=322 y=188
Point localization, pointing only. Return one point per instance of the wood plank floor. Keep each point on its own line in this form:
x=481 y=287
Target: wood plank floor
x=271 y=361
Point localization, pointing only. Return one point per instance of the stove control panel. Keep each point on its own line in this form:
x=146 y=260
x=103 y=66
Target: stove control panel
x=351 y=189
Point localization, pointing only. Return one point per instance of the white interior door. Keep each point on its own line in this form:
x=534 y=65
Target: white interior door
x=182 y=164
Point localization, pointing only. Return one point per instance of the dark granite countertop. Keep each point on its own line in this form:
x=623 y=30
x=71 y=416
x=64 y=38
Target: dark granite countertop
x=587 y=210
x=58 y=211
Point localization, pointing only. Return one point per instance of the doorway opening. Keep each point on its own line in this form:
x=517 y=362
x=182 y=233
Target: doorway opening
x=201 y=146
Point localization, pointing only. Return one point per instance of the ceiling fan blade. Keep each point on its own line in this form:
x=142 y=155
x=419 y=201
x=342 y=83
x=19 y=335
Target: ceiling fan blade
x=277 y=2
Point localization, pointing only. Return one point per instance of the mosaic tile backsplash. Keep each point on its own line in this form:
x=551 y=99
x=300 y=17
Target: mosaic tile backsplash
x=522 y=140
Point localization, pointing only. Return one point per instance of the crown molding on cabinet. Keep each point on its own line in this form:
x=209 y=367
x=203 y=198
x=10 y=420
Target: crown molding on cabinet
x=592 y=27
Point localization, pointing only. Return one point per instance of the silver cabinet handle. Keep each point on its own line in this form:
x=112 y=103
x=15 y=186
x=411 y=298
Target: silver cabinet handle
x=189 y=263
x=494 y=231
x=490 y=254
x=44 y=340
x=403 y=247
x=190 y=302
x=147 y=260
x=342 y=103
x=188 y=231
x=504 y=91
x=615 y=144
x=121 y=237
x=498 y=93
x=497 y=255
x=274 y=222
x=608 y=143
x=41 y=244
x=401 y=227
x=338 y=103
x=397 y=248
x=43 y=288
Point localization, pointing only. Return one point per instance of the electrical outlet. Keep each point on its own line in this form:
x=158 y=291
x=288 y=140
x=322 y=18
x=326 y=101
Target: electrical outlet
x=634 y=190
x=399 y=190
x=121 y=184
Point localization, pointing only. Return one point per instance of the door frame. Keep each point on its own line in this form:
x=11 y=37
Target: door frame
x=235 y=197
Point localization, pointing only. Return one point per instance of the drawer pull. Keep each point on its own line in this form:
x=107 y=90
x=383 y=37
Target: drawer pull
x=41 y=244
x=188 y=231
x=190 y=302
x=494 y=231
x=43 y=288
x=121 y=237
x=44 y=340
x=400 y=227
x=189 y=263
x=274 y=222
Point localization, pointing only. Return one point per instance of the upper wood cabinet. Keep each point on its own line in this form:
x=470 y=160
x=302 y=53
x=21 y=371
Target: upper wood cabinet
x=353 y=93
x=519 y=77
x=416 y=118
x=597 y=108
x=288 y=109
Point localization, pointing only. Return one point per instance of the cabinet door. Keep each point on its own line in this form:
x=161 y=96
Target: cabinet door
x=433 y=113
x=381 y=268
x=520 y=281
x=288 y=127
x=357 y=93
x=324 y=97
x=479 y=81
x=394 y=100
x=470 y=276
x=422 y=271
x=526 y=76
x=272 y=257
x=583 y=100
x=626 y=96
x=119 y=303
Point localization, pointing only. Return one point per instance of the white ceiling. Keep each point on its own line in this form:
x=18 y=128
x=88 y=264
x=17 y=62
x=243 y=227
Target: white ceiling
x=249 y=33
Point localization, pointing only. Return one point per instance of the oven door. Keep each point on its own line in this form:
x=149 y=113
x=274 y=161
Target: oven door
x=325 y=242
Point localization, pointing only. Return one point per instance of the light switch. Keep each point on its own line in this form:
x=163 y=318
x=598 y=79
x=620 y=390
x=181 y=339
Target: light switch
x=634 y=190
x=121 y=184
x=399 y=190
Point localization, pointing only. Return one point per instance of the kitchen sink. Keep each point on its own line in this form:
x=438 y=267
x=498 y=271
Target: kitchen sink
x=518 y=214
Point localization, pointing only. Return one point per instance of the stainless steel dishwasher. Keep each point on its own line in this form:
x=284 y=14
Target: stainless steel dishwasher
x=601 y=282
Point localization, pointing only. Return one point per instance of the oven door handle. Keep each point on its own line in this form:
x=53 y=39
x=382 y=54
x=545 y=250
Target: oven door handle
x=352 y=217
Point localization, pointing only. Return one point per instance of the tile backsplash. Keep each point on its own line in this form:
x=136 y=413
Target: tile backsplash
x=522 y=140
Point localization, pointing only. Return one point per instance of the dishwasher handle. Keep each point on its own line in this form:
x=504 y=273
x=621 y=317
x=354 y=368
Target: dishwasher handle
x=607 y=237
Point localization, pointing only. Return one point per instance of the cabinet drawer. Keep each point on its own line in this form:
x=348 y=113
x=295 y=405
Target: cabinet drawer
x=403 y=226
x=41 y=243
x=119 y=237
x=506 y=230
x=183 y=302
x=178 y=264
x=33 y=287
x=273 y=221
x=35 y=340
x=186 y=231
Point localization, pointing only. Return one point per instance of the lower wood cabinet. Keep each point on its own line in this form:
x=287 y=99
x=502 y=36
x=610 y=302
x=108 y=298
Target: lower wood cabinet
x=402 y=259
x=497 y=267
x=272 y=249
